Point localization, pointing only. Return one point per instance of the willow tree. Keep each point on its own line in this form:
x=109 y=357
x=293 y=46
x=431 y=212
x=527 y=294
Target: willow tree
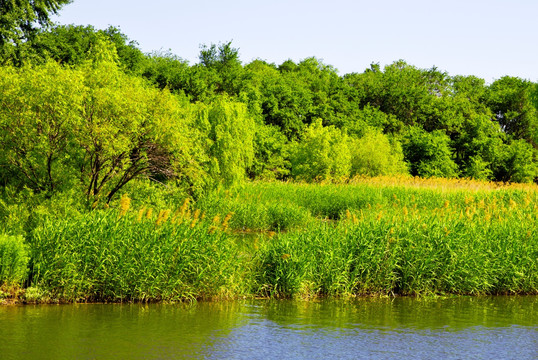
x=226 y=135
x=322 y=153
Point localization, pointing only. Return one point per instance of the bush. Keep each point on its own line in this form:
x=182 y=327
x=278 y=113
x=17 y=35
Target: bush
x=374 y=155
x=323 y=153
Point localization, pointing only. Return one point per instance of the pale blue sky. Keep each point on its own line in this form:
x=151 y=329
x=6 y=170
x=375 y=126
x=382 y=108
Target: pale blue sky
x=486 y=38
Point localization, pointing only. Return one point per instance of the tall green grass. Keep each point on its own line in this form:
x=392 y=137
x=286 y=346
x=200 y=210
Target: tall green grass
x=489 y=246
x=13 y=261
x=100 y=257
x=253 y=208
x=285 y=240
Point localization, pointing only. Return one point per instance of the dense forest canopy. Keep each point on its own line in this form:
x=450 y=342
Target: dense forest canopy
x=82 y=108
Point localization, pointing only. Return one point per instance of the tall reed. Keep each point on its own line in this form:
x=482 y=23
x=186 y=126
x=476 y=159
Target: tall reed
x=13 y=261
x=411 y=241
x=102 y=256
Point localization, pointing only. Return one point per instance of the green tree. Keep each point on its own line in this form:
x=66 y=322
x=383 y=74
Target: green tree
x=279 y=98
x=402 y=90
x=71 y=45
x=512 y=103
x=333 y=100
x=321 y=153
x=223 y=60
x=429 y=153
x=226 y=135
x=374 y=154
x=129 y=130
x=516 y=163
x=40 y=108
x=93 y=127
x=169 y=71
x=271 y=153
x=19 y=21
x=467 y=121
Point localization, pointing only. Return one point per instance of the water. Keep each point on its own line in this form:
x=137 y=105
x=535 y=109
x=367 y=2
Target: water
x=401 y=328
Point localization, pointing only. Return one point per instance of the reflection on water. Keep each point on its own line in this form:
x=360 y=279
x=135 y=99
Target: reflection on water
x=454 y=328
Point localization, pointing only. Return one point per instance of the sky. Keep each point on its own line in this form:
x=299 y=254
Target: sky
x=485 y=38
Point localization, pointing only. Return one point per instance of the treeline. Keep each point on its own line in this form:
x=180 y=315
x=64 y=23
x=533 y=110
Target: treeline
x=87 y=109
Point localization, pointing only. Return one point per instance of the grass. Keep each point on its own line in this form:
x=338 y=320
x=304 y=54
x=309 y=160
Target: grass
x=386 y=236
x=13 y=265
x=393 y=252
x=144 y=256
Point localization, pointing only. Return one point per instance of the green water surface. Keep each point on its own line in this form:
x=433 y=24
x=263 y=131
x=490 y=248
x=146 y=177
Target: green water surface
x=399 y=328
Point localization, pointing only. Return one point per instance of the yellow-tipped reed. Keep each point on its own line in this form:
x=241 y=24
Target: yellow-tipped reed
x=149 y=213
x=225 y=221
x=125 y=203
x=163 y=216
x=140 y=214
x=216 y=219
x=379 y=215
x=184 y=207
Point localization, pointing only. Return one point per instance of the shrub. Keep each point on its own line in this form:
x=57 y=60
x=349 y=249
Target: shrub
x=374 y=155
x=323 y=153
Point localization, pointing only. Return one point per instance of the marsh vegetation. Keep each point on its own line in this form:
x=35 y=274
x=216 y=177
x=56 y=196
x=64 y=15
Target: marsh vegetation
x=370 y=236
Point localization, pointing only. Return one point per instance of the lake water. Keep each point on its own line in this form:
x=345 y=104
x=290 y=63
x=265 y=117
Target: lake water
x=399 y=328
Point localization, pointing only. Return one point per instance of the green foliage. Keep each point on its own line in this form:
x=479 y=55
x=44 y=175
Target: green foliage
x=463 y=126
x=322 y=153
x=40 y=109
x=223 y=61
x=478 y=169
x=429 y=154
x=166 y=70
x=19 y=21
x=92 y=126
x=13 y=260
x=22 y=210
x=227 y=135
x=516 y=163
x=511 y=101
x=375 y=155
x=271 y=154
x=71 y=45
x=129 y=130
x=369 y=118
x=279 y=98
x=402 y=90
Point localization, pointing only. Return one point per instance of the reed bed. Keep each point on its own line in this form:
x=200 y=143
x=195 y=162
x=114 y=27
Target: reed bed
x=253 y=202
x=460 y=243
x=143 y=256
x=13 y=265
x=366 y=236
